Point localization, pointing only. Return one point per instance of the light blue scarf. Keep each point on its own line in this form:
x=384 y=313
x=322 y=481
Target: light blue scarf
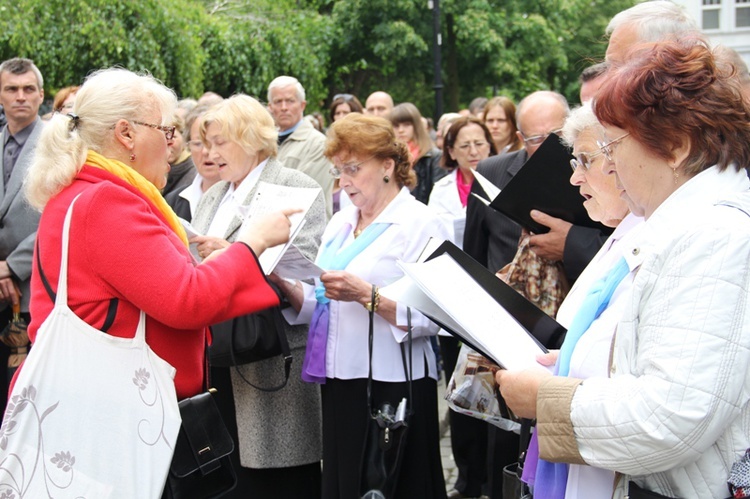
x=332 y=258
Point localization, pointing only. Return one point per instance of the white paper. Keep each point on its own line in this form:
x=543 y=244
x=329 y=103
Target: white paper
x=294 y=265
x=459 y=227
x=429 y=248
x=270 y=198
x=191 y=233
x=487 y=203
x=491 y=189
x=451 y=296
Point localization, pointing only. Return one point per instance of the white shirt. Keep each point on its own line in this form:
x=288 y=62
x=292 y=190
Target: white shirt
x=446 y=203
x=591 y=354
x=232 y=200
x=412 y=225
x=193 y=193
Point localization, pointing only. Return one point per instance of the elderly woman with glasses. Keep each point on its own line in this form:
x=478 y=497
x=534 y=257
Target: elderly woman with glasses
x=588 y=356
x=128 y=253
x=359 y=253
x=279 y=441
x=672 y=413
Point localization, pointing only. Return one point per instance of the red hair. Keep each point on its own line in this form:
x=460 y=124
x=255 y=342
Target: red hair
x=673 y=91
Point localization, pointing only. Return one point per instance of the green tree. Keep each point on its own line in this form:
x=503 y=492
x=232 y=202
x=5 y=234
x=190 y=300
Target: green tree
x=70 y=38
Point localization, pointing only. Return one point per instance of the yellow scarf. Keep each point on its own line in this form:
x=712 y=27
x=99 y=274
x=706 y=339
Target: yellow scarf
x=146 y=188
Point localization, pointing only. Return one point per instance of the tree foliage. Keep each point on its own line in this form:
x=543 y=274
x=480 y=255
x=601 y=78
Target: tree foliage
x=509 y=47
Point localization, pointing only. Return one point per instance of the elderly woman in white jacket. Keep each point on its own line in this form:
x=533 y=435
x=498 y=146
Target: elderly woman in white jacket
x=466 y=143
x=673 y=412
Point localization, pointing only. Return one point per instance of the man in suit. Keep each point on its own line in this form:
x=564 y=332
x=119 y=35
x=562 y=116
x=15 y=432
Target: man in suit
x=21 y=94
x=300 y=145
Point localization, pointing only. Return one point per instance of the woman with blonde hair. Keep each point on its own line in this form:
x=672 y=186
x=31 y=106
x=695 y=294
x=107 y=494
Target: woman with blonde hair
x=278 y=432
x=425 y=157
x=128 y=252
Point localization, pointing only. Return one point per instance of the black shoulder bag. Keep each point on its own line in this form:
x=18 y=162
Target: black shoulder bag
x=250 y=338
x=385 y=442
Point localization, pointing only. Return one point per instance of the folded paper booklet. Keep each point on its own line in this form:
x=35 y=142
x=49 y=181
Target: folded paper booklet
x=471 y=303
x=543 y=184
x=272 y=197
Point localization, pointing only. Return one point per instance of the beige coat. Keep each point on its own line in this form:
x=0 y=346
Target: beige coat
x=303 y=151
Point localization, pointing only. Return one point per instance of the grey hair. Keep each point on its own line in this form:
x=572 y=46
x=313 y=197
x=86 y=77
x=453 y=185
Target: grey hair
x=655 y=20
x=580 y=119
x=19 y=66
x=285 y=81
x=556 y=95
x=107 y=96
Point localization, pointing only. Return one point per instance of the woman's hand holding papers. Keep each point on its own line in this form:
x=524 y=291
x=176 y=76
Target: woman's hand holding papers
x=520 y=388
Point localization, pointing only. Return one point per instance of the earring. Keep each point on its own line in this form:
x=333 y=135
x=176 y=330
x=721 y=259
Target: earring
x=676 y=175
x=386 y=179
x=132 y=157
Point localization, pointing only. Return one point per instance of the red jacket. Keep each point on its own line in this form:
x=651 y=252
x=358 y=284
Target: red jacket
x=122 y=247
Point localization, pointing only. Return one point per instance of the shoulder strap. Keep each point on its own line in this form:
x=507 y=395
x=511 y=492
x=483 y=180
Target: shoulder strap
x=111 y=310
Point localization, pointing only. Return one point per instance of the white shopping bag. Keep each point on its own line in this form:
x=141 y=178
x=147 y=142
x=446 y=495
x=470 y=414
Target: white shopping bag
x=91 y=415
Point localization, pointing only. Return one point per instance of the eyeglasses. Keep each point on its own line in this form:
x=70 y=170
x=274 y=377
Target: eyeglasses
x=535 y=140
x=168 y=130
x=476 y=145
x=608 y=148
x=585 y=159
x=345 y=97
x=195 y=145
x=350 y=169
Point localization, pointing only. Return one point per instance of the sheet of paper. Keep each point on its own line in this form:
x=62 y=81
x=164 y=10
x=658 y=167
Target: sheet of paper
x=459 y=227
x=191 y=232
x=491 y=189
x=269 y=198
x=487 y=203
x=484 y=320
x=429 y=248
x=294 y=265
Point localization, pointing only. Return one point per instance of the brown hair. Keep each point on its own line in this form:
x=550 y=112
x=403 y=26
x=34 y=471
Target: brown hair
x=452 y=134
x=349 y=99
x=367 y=136
x=510 y=115
x=672 y=91
x=61 y=95
x=406 y=112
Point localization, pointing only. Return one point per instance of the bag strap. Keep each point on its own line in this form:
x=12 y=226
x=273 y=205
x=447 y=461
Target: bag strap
x=285 y=352
x=111 y=309
x=408 y=373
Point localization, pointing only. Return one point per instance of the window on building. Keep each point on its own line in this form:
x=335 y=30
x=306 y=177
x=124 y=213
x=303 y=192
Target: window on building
x=742 y=14
x=711 y=10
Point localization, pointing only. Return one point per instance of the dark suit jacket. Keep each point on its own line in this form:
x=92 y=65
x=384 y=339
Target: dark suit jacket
x=491 y=238
x=18 y=220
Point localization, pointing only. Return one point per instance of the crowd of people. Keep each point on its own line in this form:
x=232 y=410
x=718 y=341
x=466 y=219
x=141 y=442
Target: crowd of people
x=649 y=392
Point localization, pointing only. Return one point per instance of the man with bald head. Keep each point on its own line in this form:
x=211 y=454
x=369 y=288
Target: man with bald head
x=379 y=104
x=491 y=237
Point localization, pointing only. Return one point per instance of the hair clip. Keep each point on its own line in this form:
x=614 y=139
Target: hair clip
x=74 y=120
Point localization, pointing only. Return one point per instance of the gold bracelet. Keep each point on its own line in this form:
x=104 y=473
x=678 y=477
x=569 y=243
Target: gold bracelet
x=372 y=306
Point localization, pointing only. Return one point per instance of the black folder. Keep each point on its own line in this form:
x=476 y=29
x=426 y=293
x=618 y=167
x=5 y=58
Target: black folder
x=547 y=332
x=543 y=184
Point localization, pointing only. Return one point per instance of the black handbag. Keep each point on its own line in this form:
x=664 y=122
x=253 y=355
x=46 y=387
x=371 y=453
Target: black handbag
x=387 y=428
x=251 y=338
x=636 y=492
x=201 y=467
x=513 y=486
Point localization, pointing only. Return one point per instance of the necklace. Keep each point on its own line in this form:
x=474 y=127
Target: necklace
x=357 y=233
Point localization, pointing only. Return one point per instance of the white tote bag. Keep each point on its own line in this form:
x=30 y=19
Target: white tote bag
x=91 y=415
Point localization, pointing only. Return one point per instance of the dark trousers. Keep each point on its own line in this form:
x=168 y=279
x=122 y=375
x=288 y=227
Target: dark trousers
x=468 y=434
x=294 y=482
x=345 y=422
x=502 y=450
